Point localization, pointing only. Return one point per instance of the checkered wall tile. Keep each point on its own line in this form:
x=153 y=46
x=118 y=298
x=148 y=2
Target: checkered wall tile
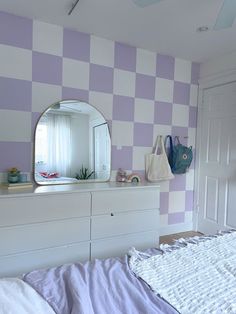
x=140 y=93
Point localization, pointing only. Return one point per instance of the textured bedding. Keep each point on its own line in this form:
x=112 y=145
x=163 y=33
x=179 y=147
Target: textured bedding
x=99 y=287
x=197 y=278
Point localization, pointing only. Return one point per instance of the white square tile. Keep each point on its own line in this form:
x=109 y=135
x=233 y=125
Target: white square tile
x=188 y=217
x=103 y=102
x=124 y=83
x=102 y=51
x=75 y=74
x=180 y=115
x=193 y=95
x=190 y=180
x=160 y=129
x=191 y=137
x=144 y=110
x=146 y=62
x=164 y=90
x=165 y=186
x=176 y=202
x=139 y=157
x=122 y=133
x=16 y=62
x=44 y=95
x=163 y=220
x=183 y=70
x=47 y=38
x=20 y=128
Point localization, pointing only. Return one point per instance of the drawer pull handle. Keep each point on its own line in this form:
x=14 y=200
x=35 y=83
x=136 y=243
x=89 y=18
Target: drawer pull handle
x=112 y=214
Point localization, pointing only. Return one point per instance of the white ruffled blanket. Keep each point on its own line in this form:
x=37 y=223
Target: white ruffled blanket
x=198 y=278
x=17 y=297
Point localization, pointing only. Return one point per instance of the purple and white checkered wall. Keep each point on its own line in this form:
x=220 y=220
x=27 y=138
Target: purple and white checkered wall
x=141 y=94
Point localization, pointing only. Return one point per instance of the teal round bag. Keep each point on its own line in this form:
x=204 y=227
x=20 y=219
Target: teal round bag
x=182 y=157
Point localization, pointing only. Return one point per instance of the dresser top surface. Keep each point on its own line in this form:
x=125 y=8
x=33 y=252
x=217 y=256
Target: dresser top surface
x=70 y=188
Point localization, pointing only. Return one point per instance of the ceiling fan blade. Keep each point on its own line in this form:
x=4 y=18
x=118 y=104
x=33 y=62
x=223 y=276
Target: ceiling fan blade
x=145 y=3
x=227 y=15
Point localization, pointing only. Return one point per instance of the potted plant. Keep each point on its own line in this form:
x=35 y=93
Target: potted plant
x=13 y=175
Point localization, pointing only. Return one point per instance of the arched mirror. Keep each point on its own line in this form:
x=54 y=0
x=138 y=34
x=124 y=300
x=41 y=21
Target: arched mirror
x=72 y=145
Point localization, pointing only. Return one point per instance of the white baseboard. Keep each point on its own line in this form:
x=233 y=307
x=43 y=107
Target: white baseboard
x=170 y=229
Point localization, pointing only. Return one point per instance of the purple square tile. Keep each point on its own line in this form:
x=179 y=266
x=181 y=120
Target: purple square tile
x=182 y=132
x=74 y=93
x=192 y=117
x=178 y=183
x=175 y=218
x=16 y=31
x=164 y=203
x=143 y=134
x=189 y=200
x=181 y=93
x=15 y=154
x=145 y=86
x=125 y=57
x=163 y=113
x=46 y=68
x=15 y=94
x=123 y=108
x=76 y=45
x=165 y=67
x=121 y=158
x=195 y=72
x=101 y=78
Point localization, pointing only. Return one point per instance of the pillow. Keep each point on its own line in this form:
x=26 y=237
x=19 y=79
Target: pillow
x=19 y=298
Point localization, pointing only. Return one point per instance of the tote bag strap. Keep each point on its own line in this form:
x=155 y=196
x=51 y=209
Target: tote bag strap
x=176 y=140
x=159 y=143
x=162 y=146
x=171 y=152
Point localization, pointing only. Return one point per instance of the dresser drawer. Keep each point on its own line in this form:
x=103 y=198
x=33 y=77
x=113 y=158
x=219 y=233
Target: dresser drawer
x=124 y=223
x=105 y=202
x=37 y=236
x=28 y=261
x=39 y=208
x=119 y=246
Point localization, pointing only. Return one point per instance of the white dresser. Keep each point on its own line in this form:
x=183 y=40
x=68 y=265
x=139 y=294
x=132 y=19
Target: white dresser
x=53 y=225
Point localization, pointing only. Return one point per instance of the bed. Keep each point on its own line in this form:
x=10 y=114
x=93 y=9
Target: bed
x=53 y=178
x=138 y=283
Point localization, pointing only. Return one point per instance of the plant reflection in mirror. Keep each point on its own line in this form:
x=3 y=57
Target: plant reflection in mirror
x=84 y=174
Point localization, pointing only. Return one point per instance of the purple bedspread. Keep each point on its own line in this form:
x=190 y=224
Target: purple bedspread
x=99 y=287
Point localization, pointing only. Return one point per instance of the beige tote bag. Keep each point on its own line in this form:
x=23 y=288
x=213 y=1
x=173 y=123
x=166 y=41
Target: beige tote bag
x=157 y=165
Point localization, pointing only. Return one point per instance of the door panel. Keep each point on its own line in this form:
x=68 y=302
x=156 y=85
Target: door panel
x=211 y=197
x=217 y=172
x=213 y=143
x=230 y=220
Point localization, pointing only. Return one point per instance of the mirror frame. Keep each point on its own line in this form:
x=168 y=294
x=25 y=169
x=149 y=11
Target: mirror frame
x=79 y=181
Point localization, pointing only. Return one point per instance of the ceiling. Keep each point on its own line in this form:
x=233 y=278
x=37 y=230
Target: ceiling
x=168 y=27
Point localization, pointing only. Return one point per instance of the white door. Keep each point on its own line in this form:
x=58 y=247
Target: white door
x=217 y=173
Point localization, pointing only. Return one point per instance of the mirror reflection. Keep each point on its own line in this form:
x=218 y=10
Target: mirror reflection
x=72 y=145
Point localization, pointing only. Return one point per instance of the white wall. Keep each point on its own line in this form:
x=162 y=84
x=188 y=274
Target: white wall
x=218 y=66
